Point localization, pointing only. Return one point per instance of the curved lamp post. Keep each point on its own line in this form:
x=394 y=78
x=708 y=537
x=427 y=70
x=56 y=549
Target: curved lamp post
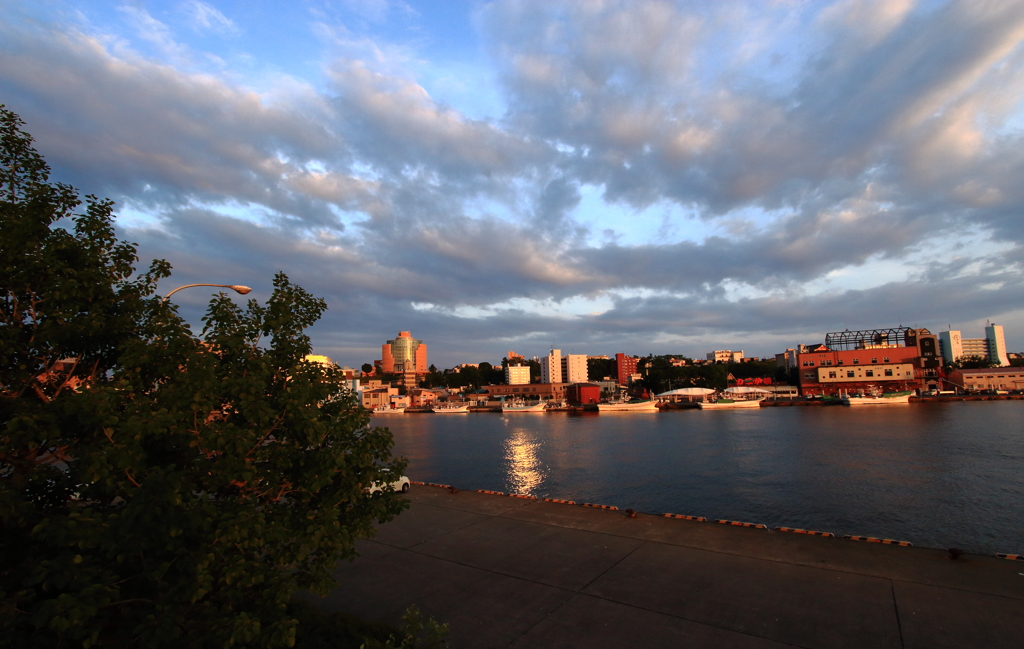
x=234 y=287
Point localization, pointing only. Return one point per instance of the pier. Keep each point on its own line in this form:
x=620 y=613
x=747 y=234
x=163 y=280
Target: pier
x=519 y=572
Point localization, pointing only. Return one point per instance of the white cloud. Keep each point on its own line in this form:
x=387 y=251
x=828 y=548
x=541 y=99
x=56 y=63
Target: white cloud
x=205 y=18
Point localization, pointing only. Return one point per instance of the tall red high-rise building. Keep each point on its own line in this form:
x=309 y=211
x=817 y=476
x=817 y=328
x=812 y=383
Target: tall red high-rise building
x=625 y=367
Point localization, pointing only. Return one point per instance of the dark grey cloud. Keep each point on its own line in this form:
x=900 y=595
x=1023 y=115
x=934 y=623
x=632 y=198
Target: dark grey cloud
x=816 y=139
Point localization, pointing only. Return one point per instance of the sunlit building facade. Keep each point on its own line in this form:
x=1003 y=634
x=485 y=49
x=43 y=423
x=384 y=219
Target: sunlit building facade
x=403 y=354
x=551 y=367
x=871 y=361
x=574 y=368
x=625 y=368
x=992 y=347
x=517 y=374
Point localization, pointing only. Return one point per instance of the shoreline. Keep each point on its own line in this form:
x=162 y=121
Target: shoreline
x=767 y=403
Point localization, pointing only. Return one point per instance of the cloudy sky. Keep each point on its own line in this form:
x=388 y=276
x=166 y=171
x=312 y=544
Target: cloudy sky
x=638 y=175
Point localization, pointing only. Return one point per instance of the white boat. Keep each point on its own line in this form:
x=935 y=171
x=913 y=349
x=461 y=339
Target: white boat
x=522 y=406
x=887 y=399
x=627 y=406
x=384 y=410
x=450 y=409
x=729 y=404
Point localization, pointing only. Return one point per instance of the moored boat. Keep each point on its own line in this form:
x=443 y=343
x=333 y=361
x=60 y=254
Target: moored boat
x=886 y=399
x=522 y=406
x=628 y=406
x=384 y=410
x=451 y=408
x=729 y=404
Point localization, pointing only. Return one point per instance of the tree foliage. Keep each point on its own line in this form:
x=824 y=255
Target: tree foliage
x=970 y=363
x=659 y=375
x=159 y=489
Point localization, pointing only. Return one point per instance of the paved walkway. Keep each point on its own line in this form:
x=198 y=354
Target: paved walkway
x=509 y=572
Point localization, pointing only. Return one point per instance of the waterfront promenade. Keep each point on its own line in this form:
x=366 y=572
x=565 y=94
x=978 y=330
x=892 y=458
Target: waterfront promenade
x=510 y=572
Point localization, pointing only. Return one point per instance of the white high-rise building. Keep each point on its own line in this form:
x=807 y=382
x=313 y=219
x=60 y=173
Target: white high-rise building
x=953 y=346
x=996 y=345
x=551 y=367
x=574 y=368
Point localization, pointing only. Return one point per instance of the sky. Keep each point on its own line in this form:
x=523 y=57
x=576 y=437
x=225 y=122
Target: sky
x=634 y=176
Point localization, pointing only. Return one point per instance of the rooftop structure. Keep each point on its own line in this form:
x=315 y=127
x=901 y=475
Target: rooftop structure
x=868 y=339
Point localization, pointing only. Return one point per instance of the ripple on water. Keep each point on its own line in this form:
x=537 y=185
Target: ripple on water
x=939 y=475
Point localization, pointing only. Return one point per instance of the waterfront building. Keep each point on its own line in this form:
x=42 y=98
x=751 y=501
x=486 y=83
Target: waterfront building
x=551 y=367
x=420 y=397
x=574 y=368
x=991 y=378
x=529 y=391
x=378 y=395
x=872 y=360
x=992 y=347
x=517 y=374
x=578 y=394
x=725 y=356
x=625 y=367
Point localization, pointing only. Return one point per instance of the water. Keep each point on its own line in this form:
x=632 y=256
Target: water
x=939 y=475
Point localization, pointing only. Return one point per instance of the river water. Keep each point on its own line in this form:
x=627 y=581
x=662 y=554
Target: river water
x=935 y=474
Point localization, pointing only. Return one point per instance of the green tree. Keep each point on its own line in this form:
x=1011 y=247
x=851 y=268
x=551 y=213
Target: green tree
x=970 y=363
x=367 y=368
x=157 y=489
x=598 y=368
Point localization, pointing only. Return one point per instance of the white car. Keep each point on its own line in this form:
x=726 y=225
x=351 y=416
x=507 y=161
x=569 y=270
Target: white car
x=402 y=484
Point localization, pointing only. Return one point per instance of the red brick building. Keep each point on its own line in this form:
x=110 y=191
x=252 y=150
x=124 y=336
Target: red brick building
x=871 y=361
x=579 y=394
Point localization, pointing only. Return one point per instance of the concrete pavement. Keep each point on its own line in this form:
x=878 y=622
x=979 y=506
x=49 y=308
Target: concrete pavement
x=510 y=572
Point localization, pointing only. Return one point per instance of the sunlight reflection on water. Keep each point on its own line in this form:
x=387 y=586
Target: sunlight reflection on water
x=940 y=475
x=525 y=472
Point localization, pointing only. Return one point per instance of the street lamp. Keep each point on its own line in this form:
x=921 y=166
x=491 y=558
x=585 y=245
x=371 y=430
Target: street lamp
x=234 y=287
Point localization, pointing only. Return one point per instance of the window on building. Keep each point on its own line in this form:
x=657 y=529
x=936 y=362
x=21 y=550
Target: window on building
x=849 y=374
x=831 y=375
x=869 y=373
x=808 y=375
x=885 y=359
x=856 y=361
x=839 y=362
x=888 y=372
